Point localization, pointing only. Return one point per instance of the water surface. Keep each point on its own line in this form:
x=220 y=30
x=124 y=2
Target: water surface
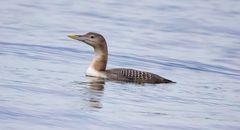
x=195 y=43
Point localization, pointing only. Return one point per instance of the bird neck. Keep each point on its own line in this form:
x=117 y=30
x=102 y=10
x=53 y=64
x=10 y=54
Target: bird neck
x=100 y=59
x=98 y=66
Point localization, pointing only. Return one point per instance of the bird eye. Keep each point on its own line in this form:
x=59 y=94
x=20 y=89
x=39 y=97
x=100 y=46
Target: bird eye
x=92 y=36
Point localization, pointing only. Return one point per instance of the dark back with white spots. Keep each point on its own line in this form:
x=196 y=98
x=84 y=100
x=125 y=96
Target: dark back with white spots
x=131 y=75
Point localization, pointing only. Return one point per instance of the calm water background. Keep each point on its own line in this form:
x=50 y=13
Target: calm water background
x=195 y=43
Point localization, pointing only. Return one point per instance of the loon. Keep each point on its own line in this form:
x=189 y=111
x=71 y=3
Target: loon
x=98 y=66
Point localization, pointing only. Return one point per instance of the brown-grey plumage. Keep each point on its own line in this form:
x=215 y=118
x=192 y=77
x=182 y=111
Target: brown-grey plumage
x=132 y=75
x=99 y=63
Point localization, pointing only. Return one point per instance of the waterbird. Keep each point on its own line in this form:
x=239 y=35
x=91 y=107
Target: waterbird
x=99 y=63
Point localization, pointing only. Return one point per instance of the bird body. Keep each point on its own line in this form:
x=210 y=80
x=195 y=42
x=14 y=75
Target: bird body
x=132 y=75
x=98 y=66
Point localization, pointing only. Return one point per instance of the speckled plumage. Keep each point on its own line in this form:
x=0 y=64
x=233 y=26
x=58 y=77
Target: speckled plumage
x=132 y=75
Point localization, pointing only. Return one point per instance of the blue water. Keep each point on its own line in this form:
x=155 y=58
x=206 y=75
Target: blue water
x=195 y=43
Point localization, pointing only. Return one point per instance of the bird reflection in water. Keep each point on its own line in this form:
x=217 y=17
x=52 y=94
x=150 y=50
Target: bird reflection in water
x=92 y=91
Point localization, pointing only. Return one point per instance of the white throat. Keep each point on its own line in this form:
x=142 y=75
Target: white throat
x=92 y=71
